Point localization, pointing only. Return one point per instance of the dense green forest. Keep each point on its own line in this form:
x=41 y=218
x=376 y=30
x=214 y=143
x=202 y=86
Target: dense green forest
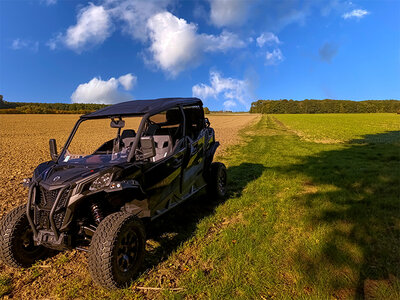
x=324 y=106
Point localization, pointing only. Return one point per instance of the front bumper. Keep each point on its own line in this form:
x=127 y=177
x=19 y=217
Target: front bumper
x=46 y=212
x=49 y=239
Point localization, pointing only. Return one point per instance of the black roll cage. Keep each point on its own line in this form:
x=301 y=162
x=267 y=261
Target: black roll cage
x=134 y=146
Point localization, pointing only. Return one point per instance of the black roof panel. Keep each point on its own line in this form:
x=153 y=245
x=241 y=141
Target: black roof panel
x=140 y=107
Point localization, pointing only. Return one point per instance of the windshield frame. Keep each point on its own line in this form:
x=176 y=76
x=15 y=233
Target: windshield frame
x=81 y=120
x=139 y=132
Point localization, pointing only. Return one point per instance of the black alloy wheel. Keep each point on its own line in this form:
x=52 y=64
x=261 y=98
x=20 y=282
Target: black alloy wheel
x=127 y=251
x=117 y=250
x=217 y=181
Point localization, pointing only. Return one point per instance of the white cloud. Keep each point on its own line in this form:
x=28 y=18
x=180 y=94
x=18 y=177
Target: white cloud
x=104 y=92
x=267 y=38
x=93 y=27
x=49 y=2
x=18 y=44
x=231 y=90
x=174 y=42
x=52 y=44
x=134 y=15
x=274 y=57
x=355 y=14
x=229 y=104
x=223 y=42
x=176 y=45
x=128 y=81
x=228 y=12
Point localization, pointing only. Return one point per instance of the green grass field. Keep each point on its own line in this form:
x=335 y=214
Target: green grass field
x=304 y=219
x=340 y=127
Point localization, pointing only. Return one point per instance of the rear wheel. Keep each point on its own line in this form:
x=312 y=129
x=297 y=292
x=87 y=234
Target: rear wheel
x=117 y=250
x=17 y=248
x=216 y=186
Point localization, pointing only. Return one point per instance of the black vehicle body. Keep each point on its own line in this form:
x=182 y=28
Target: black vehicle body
x=64 y=210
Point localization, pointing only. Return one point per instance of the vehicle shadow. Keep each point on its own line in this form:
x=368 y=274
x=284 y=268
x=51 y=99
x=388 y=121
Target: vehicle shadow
x=353 y=194
x=168 y=232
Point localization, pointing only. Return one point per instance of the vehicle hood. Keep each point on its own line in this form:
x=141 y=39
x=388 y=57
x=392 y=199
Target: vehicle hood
x=55 y=175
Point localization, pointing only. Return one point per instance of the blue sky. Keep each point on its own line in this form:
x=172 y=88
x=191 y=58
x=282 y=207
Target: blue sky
x=227 y=52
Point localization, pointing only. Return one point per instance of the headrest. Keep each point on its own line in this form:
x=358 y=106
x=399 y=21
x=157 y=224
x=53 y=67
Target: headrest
x=194 y=114
x=174 y=116
x=128 y=133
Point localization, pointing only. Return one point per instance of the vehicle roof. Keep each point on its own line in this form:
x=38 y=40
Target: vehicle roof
x=141 y=107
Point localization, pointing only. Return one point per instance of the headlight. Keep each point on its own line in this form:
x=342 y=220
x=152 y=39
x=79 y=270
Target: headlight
x=26 y=182
x=101 y=182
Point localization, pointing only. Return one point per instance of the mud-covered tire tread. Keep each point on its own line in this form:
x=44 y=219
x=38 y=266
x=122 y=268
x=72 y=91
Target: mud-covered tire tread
x=212 y=188
x=101 y=248
x=8 y=225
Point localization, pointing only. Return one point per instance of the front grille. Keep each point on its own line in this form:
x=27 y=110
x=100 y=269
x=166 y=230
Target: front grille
x=44 y=204
x=60 y=209
x=47 y=198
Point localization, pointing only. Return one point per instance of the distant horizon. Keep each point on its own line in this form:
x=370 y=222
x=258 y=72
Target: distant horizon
x=202 y=100
x=265 y=106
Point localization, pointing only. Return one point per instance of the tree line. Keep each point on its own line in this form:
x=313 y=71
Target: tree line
x=261 y=106
x=51 y=108
x=324 y=106
x=46 y=108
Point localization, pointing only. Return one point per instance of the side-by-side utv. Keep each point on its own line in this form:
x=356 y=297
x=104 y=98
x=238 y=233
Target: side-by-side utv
x=122 y=166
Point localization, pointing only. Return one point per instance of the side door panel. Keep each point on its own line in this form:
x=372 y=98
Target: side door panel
x=162 y=182
x=191 y=179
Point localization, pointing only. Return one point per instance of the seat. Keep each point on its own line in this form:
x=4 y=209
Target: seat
x=174 y=117
x=128 y=137
x=194 y=122
x=151 y=129
x=163 y=145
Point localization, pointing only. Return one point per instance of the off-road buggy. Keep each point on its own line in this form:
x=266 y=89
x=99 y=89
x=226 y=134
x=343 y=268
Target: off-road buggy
x=99 y=200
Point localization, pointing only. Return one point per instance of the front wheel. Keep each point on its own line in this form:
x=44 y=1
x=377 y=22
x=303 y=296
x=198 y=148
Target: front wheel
x=216 y=186
x=117 y=250
x=17 y=248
